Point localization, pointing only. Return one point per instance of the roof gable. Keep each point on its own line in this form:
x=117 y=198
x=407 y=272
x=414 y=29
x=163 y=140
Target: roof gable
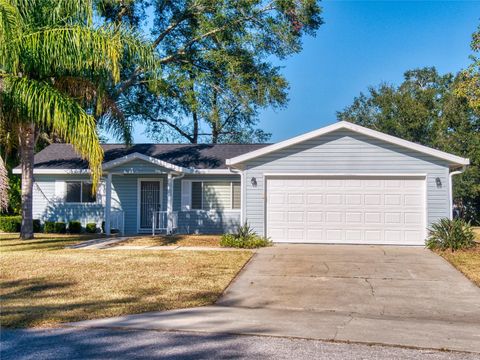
x=452 y=159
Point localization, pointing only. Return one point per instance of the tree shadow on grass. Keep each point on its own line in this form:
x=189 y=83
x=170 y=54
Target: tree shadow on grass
x=40 y=302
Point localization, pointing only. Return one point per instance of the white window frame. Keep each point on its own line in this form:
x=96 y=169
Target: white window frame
x=231 y=194
x=81 y=193
x=229 y=209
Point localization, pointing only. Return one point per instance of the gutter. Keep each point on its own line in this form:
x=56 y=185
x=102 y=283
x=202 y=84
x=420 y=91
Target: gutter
x=450 y=184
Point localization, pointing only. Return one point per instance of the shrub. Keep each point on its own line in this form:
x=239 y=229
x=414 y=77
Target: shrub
x=103 y=227
x=60 y=228
x=91 y=228
x=74 y=227
x=453 y=234
x=244 y=238
x=37 y=226
x=10 y=223
x=49 y=227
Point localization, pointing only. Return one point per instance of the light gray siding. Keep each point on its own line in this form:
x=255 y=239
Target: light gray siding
x=345 y=152
x=46 y=206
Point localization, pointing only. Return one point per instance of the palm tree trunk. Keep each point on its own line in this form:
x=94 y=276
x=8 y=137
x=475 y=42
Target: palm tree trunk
x=27 y=147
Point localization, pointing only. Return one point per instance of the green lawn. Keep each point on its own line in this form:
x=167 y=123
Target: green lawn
x=43 y=284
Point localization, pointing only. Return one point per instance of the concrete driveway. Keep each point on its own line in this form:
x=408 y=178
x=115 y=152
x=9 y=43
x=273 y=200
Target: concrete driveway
x=371 y=281
x=404 y=296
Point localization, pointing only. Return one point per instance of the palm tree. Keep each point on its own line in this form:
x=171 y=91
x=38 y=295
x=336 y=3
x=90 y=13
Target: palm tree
x=54 y=67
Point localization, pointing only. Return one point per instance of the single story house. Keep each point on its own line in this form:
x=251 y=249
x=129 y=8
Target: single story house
x=342 y=183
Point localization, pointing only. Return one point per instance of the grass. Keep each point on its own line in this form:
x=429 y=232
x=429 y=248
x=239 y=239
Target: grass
x=466 y=261
x=177 y=240
x=10 y=242
x=476 y=230
x=42 y=284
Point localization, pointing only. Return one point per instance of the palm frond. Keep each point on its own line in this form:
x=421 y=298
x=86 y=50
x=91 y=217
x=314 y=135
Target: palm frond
x=72 y=48
x=92 y=95
x=4 y=186
x=55 y=12
x=77 y=48
x=11 y=26
x=113 y=121
x=51 y=109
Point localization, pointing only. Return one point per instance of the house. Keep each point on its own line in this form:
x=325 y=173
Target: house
x=339 y=184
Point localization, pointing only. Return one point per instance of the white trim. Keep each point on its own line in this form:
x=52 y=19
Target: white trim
x=55 y=171
x=139 y=180
x=210 y=171
x=108 y=204
x=346 y=174
x=137 y=155
x=450 y=190
x=353 y=127
x=423 y=176
x=123 y=161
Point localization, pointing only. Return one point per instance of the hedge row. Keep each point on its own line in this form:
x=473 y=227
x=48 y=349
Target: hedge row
x=11 y=224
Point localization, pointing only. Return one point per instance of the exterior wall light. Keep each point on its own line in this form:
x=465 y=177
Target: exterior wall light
x=438 y=181
x=253 y=181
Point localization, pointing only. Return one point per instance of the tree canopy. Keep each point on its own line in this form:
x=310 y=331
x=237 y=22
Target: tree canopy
x=426 y=108
x=469 y=87
x=216 y=59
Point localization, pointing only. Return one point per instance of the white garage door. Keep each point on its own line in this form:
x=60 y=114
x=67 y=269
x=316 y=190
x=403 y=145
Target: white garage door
x=355 y=210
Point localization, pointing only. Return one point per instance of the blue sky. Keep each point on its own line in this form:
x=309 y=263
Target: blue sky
x=365 y=43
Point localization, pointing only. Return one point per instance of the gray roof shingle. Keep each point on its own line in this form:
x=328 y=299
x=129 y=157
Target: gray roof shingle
x=199 y=156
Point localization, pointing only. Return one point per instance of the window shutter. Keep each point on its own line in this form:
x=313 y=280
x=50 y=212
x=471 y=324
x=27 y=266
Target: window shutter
x=186 y=195
x=60 y=190
x=101 y=193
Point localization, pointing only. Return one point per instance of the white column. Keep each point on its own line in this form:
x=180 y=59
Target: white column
x=242 y=197
x=108 y=204
x=169 y=203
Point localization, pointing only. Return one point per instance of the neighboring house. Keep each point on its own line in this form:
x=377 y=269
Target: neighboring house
x=340 y=184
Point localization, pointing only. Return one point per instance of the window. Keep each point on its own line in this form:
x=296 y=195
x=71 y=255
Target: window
x=196 y=195
x=220 y=195
x=79 y=192
x=236 y=195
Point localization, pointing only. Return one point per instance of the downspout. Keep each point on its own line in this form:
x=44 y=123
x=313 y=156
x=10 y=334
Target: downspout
x=450 y=184
x=242 y=192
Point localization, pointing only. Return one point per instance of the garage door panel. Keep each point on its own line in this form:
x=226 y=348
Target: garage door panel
x=354 y=235
x=334 y=199
x=334 y=217
x=334 y=235
x=346 y=210
x=296 y=217
x=315 y=199
x=393 y=218
x=353 y=199
x=372 y=199
x=334 y=183
x=315 y=217
x=354 y=218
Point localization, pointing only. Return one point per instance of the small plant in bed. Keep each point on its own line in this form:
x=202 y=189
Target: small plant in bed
x=74 y=227
x=451 y=235
x=245 y=238
x=10 y=224
x=91 y=228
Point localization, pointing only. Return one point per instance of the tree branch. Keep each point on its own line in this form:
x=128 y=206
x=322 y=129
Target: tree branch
x=172 y=125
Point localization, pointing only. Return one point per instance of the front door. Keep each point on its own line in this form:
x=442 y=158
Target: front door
x=150 y=194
